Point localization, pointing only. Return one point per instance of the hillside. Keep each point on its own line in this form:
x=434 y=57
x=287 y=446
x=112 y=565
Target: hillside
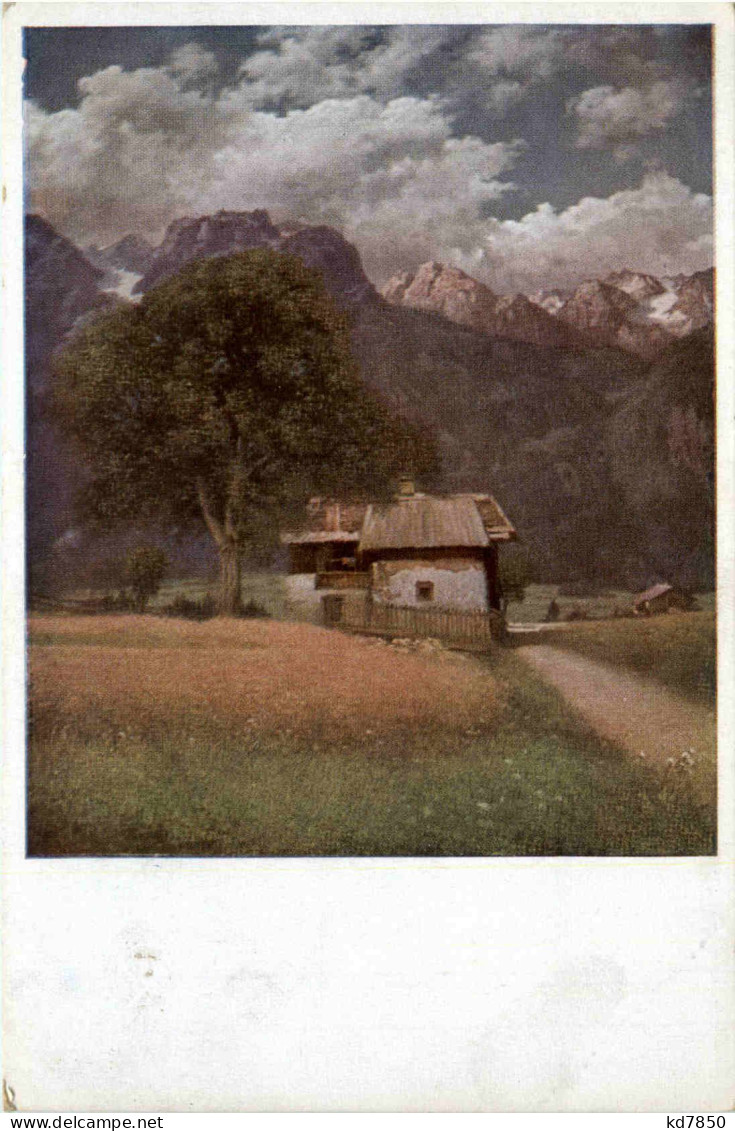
x=61 y=286
x=526 y=422
x=593 y=451
x=661 y=452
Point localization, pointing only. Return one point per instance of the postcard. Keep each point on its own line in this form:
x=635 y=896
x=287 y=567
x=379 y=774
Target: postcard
x=368 y=558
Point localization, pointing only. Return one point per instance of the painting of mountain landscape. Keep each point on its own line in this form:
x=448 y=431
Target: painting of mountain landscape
x=370 y=409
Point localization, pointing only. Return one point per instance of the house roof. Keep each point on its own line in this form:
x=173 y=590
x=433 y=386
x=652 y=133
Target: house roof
x=328 y=521
x=309 y=537
x=494 y=519
x=653 y=592
x=411 y=522
x=423 y=523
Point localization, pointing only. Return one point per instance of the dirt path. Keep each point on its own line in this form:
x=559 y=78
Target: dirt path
x=636 y=713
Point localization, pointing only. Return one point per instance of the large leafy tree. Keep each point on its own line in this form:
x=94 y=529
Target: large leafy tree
x=226 y=395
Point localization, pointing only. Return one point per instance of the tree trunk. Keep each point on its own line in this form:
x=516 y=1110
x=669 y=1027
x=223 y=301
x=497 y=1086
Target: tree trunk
x=230 y=603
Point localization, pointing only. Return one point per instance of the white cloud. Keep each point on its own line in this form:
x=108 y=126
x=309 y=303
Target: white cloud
x=141 y=148
x=661 y=228
x=193 y=62
x=521 y=52
x=298 y=67
x=133 y=153
x=616 y=119
x=391 y=177
x=144 y=147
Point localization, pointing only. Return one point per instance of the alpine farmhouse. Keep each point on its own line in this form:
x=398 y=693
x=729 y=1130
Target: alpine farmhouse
x=416 y=551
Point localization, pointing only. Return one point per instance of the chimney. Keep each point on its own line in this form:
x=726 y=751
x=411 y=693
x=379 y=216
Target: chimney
x=405 y=487
x=332 y=517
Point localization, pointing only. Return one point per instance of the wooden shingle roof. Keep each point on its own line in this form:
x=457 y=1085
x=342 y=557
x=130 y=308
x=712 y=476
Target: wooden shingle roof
x=655 y=591
x=423 y=522
x=413 y=522
x=327 y=520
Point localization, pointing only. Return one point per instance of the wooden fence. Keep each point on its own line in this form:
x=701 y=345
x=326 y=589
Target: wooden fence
x=473 y=629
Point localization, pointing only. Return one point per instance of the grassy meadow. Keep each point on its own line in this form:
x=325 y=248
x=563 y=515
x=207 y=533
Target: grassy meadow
x=150 y=735
x=678 y=649
x=600 y=603
x=266 y=589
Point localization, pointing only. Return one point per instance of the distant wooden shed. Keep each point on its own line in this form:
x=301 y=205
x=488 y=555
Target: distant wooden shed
x=660 y=598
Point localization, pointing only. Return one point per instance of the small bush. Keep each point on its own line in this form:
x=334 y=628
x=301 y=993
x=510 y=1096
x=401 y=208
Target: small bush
x=145 y=568
x=253 y=609
x=575 y=613
x=185 y=607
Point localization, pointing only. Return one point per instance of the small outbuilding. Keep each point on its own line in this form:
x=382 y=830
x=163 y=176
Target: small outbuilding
x=661 y=598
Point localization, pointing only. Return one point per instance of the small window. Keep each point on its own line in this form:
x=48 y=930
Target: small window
x=424 y=590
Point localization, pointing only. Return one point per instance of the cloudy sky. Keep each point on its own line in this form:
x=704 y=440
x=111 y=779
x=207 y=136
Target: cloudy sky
x=530 y=156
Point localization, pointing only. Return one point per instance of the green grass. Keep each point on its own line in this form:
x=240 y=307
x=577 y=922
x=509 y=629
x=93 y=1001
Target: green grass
x=603 y=604
x=539 y=784
x=677 y=649
x=538 y=598
x=267 y=590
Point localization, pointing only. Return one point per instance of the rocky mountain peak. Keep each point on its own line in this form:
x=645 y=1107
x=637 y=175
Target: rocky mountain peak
x=131 y=253
x=395 y=289
x=550 y=300
x=444 y=290
x=635 y=283
x=605 y=315
x=449 y=291
x=628 y=310
x=596 y=303
x=696 y=299
x=226 y=233
x=327 y=251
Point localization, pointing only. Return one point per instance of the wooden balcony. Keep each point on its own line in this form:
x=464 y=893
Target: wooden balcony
x=342 y=579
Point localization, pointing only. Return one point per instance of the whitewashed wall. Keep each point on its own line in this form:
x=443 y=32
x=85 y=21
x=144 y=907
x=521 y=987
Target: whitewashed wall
x=458 y=584
x=304 y=600
x=302 y=587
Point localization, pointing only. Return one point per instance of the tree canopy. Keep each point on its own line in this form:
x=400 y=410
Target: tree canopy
x=227 y=394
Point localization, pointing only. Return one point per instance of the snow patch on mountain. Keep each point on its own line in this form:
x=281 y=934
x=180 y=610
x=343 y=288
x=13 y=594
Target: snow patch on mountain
x=660 y=309
x=122 y=285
